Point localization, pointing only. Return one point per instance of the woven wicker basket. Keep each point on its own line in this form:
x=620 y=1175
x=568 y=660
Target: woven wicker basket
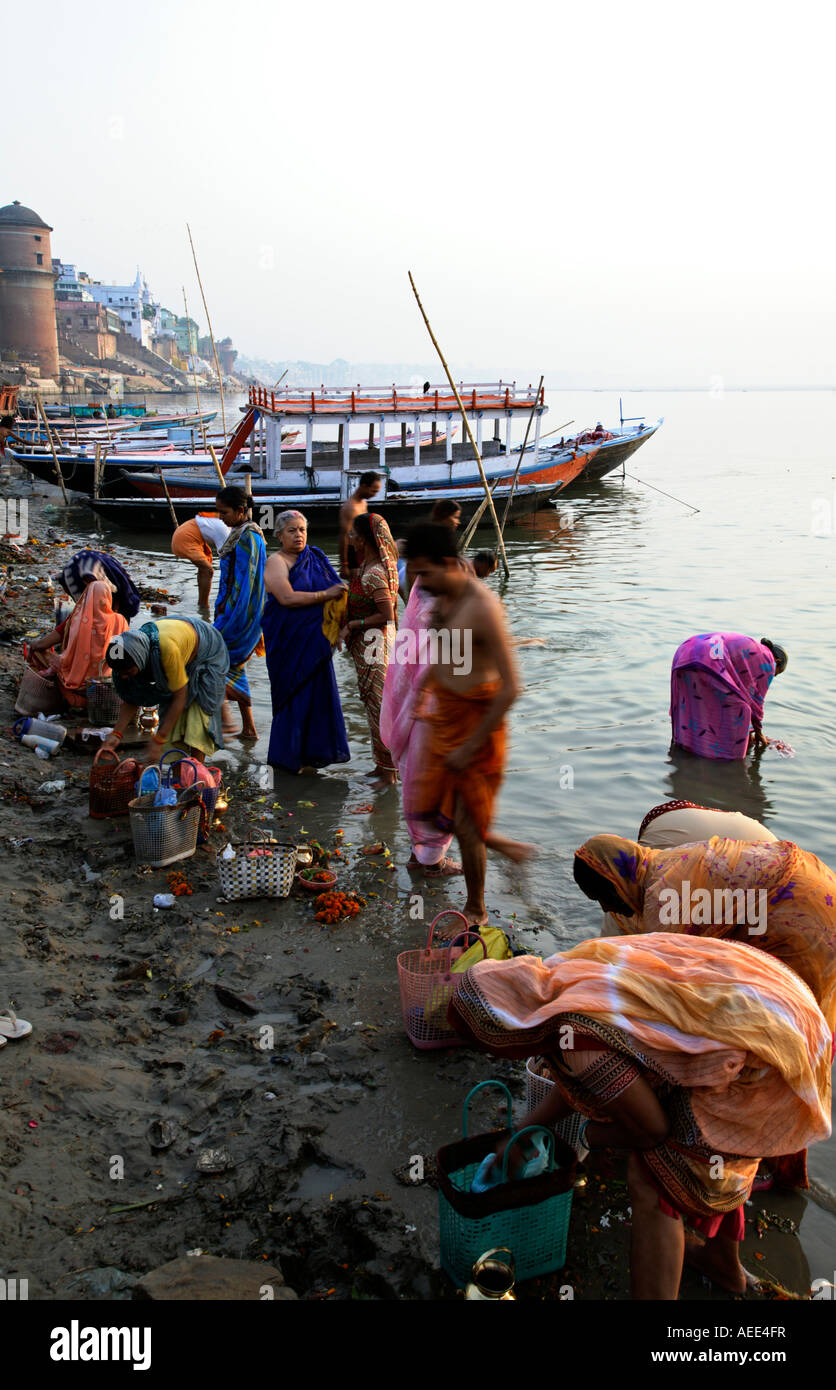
x=164 y=834
x=112 y=785
x=37 y=695
x=103 y=704
x=250 y=875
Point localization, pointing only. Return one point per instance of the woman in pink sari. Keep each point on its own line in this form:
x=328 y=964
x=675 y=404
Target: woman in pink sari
x=404 y=734
x=718 y=686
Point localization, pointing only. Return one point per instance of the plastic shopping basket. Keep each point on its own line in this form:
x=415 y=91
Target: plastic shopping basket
x=528 y=1216
x=427 y=985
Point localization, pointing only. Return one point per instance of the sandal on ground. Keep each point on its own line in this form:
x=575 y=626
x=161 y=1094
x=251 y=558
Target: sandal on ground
x=11 y=1026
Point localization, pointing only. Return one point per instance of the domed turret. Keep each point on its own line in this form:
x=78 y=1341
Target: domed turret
x=27 y=288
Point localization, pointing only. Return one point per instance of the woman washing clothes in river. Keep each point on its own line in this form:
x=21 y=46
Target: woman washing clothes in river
x=718 y=687
x=680 y=1050
x=370 y=625
x=182 y=665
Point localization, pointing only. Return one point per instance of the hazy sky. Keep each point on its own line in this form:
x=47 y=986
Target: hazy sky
x=640 y=193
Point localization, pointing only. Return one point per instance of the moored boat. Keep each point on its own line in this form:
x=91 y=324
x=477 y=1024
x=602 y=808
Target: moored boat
x=399 y=508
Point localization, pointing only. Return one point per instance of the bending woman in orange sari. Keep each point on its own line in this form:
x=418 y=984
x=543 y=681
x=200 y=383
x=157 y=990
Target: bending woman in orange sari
x=775 y=897
x=683 y=1051
x=373 y=610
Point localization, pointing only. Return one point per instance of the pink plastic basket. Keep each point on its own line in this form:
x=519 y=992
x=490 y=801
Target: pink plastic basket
x=427 y=985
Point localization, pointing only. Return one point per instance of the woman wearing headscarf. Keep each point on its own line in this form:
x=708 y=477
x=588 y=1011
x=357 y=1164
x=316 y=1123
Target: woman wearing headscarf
x=699 y=1057
x=301 y=621
x=180 y=664
x=95 y=564
x=369 y=631
x=105 y=599
x=775 y=897
x=240 y=602
x=718 y=687
x=406 y=736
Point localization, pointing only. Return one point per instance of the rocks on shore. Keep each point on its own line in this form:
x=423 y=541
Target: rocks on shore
x=209 y=1277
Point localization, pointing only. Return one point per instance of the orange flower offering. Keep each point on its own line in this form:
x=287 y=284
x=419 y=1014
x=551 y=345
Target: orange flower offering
x=337 y=907
x=178 y=884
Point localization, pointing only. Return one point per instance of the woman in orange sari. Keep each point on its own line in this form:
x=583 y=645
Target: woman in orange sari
x=776 y=897
x=697 y=1056
x=85 y=635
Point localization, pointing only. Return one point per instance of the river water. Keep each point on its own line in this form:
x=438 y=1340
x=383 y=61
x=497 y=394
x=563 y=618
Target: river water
x=612 y=586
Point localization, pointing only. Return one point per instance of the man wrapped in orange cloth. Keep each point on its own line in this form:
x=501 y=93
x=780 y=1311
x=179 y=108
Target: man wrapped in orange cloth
x=471 y=683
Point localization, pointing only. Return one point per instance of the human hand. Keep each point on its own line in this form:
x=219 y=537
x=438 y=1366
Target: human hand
x=110 y=743
x=335 y=591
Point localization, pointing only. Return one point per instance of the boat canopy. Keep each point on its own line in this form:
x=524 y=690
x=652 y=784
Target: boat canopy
x=404 y=405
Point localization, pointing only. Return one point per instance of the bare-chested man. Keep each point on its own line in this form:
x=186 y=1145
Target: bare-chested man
x=367 y=488
x=471 y=683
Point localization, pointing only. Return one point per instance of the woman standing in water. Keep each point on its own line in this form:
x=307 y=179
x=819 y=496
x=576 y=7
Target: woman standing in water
x=240 y=601
x=372 y=609
x=301 y=623
x=718 y=686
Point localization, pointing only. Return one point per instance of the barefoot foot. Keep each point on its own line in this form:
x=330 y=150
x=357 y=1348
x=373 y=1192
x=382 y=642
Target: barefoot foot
x=447 y=868
x=515 y=850
x=722 y=1267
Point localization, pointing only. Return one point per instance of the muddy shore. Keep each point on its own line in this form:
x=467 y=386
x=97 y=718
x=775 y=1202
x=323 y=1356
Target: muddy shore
x=308 y=1085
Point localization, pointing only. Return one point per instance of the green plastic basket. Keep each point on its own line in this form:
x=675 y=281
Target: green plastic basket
x=529 y=1216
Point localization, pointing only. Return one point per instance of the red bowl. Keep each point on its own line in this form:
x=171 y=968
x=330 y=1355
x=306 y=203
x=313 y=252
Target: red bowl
x=322 y=885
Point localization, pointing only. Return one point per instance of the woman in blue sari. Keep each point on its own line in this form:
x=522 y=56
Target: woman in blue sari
x=240 y=602
x=302 y=619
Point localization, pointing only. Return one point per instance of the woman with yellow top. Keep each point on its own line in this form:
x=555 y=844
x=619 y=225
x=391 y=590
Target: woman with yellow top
x=180 y=664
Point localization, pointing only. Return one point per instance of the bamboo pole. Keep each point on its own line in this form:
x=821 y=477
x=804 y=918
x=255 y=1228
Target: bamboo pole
x=474 y=521
x=58 y=473
x=477 y=516
x=218 y=469
x=168 y=498
x=194 y=377
x=510 y=497
x=466 y=423
x=96 y=466
x=211 y=334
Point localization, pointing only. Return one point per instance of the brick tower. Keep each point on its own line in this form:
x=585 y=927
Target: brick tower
x=27 y=288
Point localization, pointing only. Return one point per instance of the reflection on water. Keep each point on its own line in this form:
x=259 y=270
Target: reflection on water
x=730 y=786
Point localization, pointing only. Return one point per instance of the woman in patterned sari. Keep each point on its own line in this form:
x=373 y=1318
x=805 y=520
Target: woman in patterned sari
x=369 y=631
x=775 y=897
x=240 y=601
x=696 y=1056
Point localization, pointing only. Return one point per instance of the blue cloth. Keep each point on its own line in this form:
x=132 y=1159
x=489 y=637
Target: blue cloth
x=126 y=600
x=308 y=726
x=240 y=601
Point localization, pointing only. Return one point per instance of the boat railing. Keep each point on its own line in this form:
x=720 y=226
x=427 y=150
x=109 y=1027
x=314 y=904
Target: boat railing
x=400 y=400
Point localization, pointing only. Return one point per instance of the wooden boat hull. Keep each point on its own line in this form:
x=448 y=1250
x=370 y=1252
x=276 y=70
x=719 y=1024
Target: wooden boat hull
x=611 y=454
x=399 y=509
